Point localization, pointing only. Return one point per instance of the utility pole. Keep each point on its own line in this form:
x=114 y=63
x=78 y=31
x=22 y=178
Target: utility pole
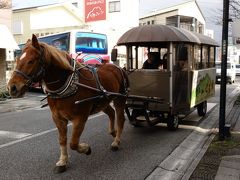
x=223 y=70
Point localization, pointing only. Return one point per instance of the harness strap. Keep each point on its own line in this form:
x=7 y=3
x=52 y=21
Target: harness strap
x=22 y=74
x=99 y=85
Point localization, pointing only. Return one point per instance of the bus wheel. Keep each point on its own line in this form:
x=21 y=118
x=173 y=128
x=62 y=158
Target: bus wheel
x=172 y=122
x=202 y=108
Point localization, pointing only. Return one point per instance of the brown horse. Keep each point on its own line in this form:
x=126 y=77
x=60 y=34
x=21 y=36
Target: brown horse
x=74 y=92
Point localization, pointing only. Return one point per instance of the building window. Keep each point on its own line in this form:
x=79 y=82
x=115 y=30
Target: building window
x=114 y=6
x=152 y=21
x=75 y=4
x=17 y=27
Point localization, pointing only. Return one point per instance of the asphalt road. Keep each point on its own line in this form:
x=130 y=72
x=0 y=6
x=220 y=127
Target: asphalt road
x=29 y=147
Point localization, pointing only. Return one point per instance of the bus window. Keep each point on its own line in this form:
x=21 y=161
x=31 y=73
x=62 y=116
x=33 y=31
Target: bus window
x=60 y=41
x=18 y=52
x=91 y=43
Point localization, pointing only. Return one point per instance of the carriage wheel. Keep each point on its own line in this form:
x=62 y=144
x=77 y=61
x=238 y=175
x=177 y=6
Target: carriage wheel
x=202 y=108
x=135 y=114
x=172 y=122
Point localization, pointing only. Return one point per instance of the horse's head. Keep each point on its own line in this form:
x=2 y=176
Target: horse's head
x=29 y=68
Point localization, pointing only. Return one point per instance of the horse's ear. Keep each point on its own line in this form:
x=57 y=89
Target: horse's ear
x=35 y=42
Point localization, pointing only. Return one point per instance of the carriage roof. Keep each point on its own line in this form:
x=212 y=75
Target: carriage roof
x=154 y=34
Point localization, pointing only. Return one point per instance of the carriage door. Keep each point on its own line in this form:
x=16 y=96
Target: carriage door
x=180 y=91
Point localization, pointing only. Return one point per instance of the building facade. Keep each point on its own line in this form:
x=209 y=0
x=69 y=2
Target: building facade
x=7 y=45
x=186 y=15
x=112 y=17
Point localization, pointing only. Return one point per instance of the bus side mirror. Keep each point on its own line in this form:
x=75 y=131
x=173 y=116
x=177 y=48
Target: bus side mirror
x=114 y=55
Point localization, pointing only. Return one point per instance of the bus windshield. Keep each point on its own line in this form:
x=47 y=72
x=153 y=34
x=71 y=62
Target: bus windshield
x=91 y=43
x=60 y=41
x=18 y=52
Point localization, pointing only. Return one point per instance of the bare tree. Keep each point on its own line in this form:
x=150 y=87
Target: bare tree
x=5 y=4
x=234 y=12
x=234 y=9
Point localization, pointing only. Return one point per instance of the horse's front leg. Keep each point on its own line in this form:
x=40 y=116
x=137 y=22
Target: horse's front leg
x=78 y=126
x=62 y=131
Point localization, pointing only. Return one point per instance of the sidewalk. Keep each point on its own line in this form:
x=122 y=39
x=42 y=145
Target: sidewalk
x=229 y=167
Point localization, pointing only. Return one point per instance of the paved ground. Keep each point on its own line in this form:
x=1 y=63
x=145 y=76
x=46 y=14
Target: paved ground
x=10 y=105
x=182 y=162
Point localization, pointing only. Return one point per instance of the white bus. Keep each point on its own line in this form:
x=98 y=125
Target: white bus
x=92 y=46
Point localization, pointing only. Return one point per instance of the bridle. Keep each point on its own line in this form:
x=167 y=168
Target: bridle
x=37 y=74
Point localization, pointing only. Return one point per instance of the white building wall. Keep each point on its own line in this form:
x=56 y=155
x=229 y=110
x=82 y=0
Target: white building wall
x=191 y=10
x=57 y=17
x=117 y=23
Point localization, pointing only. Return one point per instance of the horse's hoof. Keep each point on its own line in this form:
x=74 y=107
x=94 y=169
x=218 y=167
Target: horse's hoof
x=89 y=151
x=114 y=148
x=59 y=169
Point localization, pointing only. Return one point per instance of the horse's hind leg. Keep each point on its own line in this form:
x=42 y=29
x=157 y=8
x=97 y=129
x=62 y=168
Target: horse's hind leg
x=78 y=126
x=62 y=130
x=119 y=105
x=111 y=114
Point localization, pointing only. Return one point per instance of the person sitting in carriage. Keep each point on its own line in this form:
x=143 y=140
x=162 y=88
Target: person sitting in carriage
x=153 y=61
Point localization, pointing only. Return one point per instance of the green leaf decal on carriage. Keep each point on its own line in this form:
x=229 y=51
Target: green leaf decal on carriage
x=203 y=86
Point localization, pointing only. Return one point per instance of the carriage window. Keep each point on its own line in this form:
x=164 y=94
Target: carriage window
x=211 y=59
x=164 y=58
x=197 y=57
x=181 y=63
x=204 y=57
x=190 y=57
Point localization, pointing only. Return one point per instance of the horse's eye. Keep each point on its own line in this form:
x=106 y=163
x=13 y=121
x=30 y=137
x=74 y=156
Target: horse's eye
x=30 y=62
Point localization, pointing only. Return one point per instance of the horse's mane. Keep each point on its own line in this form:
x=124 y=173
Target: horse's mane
x=57 y=57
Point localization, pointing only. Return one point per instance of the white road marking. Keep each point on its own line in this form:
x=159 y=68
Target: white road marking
x=40 y=134
x=12 y=134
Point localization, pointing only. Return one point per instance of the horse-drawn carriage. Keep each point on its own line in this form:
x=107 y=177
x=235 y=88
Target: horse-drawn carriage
x=186 y=81
x=76 y=91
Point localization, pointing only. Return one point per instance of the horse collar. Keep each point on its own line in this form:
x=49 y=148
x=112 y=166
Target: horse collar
x=69 y=88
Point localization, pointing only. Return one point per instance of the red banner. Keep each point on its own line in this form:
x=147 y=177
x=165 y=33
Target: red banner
x=95 y=10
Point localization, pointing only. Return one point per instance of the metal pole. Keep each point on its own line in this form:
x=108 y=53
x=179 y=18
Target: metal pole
x=223 y=70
